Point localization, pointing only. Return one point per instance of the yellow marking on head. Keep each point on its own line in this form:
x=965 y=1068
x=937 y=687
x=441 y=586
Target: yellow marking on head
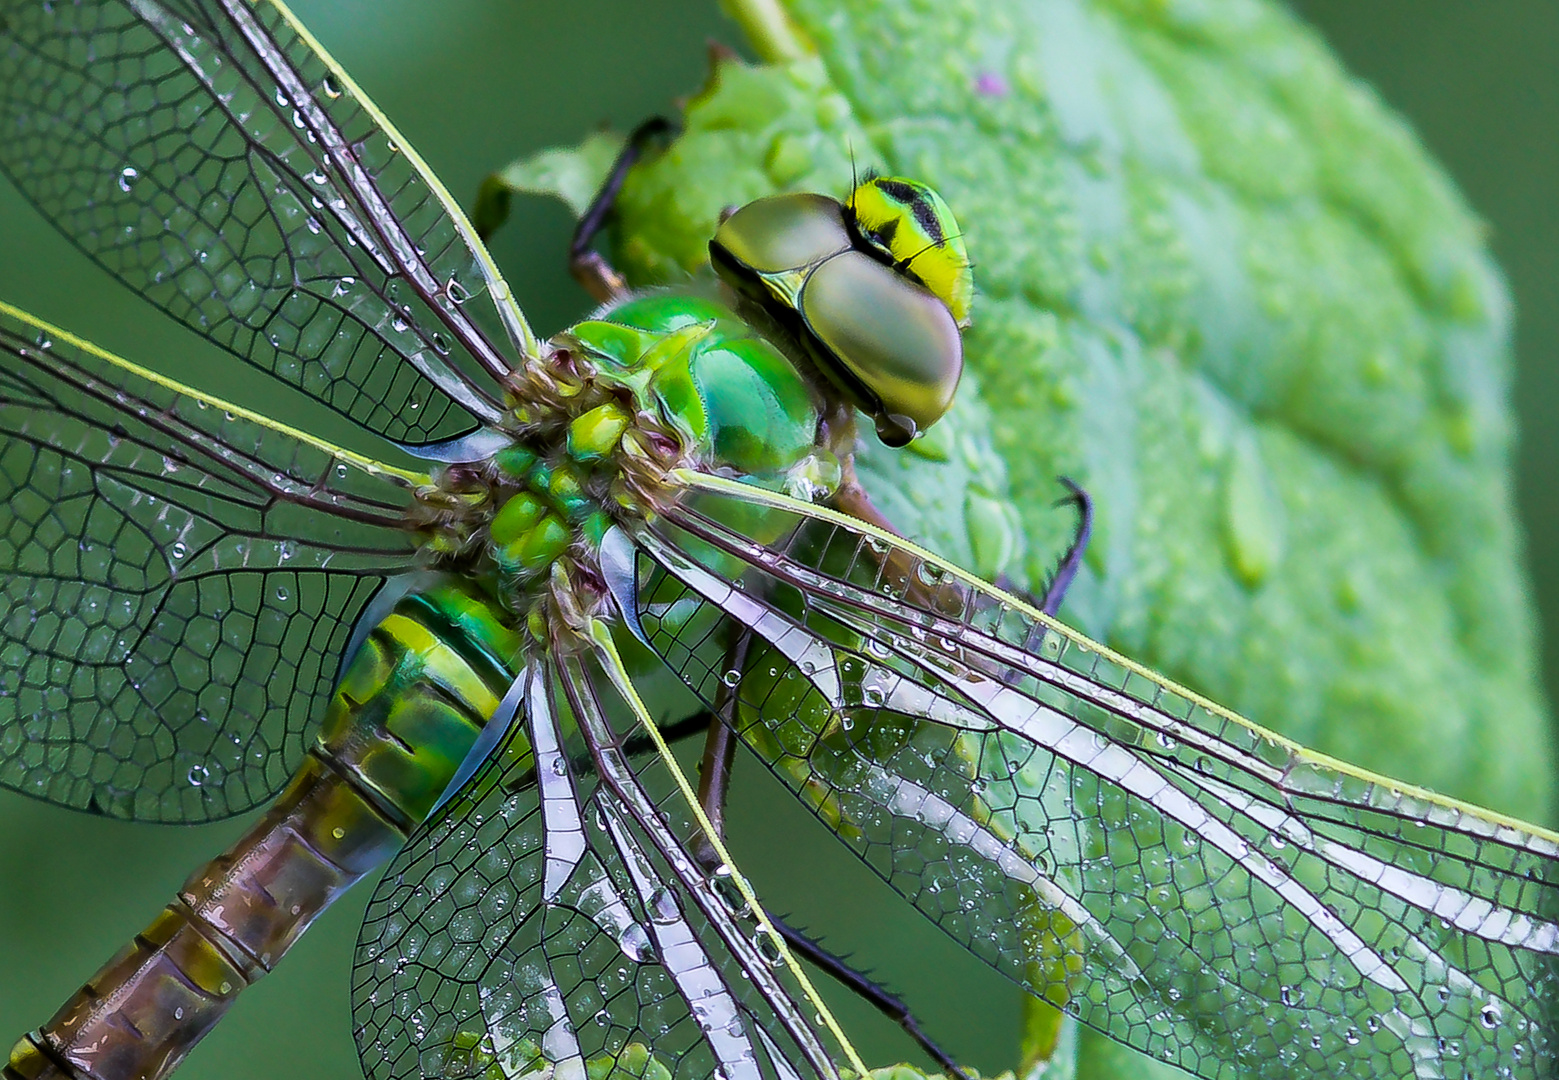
x=911 y=224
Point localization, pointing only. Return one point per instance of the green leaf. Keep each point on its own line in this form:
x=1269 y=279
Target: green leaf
x=1222 y=287
x=572 y=174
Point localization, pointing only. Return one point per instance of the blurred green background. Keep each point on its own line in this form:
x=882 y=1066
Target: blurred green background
x=475 y=83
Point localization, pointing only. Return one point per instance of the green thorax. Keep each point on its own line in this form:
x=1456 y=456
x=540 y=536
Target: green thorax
x=652 y=384
x=731 y=396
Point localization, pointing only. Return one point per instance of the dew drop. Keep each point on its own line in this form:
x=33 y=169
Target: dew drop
x=768 y=949
x=635 y=944
x=127 y=178
x=663 y=906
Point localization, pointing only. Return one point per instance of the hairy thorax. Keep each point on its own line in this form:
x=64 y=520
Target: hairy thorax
x=594 y=431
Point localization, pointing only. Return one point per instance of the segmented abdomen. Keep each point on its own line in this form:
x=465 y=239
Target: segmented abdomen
x=408 y=708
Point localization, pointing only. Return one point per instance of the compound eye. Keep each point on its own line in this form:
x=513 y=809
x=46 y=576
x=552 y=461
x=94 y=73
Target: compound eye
x=892 y=337
x=783 y=232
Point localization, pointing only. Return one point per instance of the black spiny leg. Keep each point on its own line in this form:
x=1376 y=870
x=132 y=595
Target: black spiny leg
x=588 y=266
x=886 y=1003
x=713 y=783
x=1066 y=570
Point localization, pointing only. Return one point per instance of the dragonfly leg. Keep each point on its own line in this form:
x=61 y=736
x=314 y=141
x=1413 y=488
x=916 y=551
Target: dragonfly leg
x=713 y=784
x=1066 y=569
x=851 y=498
x=589 y=267
x=887 y=1003
x=714 y=771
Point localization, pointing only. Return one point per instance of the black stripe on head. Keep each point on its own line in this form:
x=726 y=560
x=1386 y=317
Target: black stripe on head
x=919 y=206
x=925 y=217
x=897 y=189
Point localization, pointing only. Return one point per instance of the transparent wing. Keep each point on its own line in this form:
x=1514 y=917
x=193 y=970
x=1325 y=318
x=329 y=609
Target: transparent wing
x=178 y=581
x=211 y=156
x=1209 y=893
x=547 y=920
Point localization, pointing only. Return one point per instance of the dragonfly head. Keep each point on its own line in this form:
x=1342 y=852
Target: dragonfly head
x=875 y=289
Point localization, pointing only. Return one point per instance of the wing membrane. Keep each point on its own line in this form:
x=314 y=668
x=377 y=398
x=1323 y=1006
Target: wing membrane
x=1157 y=866
x=211 y=156
x=180 y=579
x=547 y=918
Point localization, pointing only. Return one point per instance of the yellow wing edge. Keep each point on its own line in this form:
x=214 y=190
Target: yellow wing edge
x=617 y=672
x=508 y=309
x=736 y=489
x=340 y=453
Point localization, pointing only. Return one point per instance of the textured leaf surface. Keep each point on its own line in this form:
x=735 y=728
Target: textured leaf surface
x=1226 y=290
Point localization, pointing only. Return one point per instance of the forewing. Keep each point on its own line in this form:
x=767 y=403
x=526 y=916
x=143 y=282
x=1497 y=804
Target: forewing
x=560 y=925
x=211 y=156
x=1158 y=867
x=179 y=582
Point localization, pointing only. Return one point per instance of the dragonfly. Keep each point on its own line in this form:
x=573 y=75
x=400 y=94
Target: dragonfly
x=469 y=666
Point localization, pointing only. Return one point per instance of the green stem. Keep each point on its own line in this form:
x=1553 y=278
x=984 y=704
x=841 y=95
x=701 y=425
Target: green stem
x=774 y=36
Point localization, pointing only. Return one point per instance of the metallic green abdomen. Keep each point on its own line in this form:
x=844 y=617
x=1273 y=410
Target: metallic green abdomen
x=409 y=707
x=417 y=693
